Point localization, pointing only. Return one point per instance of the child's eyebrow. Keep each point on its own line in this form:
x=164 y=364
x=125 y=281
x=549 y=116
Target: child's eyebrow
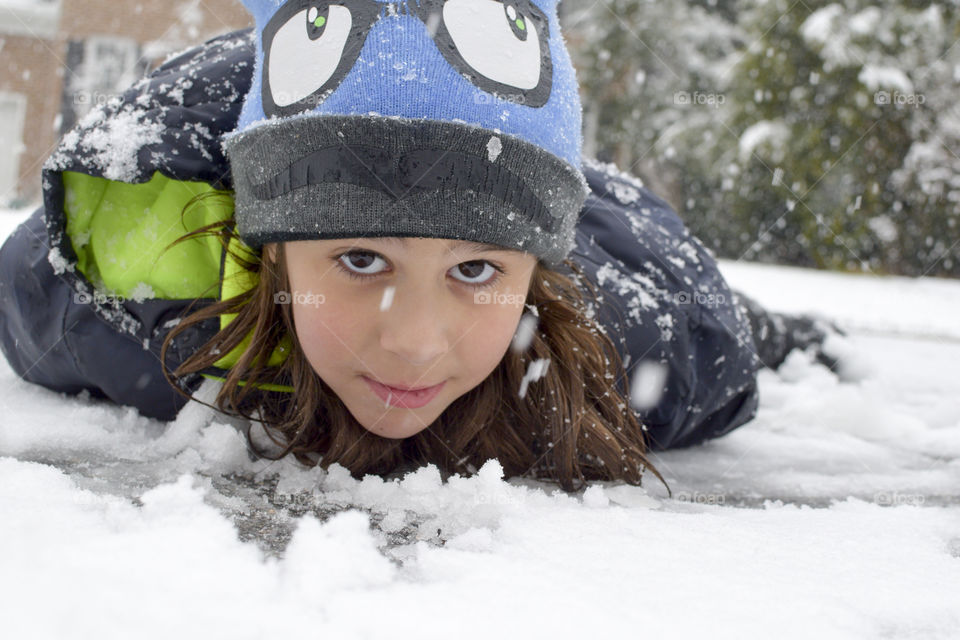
x=472 y=247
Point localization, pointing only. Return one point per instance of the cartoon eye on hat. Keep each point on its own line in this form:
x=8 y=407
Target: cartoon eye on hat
x=310 y=46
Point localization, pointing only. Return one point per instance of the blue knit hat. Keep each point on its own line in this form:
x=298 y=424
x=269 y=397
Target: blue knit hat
x=426 y=118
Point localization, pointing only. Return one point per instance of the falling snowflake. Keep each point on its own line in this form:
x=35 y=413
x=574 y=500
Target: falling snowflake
x=535 y=370
x=647 y=385
x=387 y=300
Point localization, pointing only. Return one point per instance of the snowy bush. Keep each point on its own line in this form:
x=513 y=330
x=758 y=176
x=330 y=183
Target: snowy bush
x=816 y=133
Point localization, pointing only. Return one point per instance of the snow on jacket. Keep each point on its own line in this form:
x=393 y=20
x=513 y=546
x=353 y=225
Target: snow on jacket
x=114 y=190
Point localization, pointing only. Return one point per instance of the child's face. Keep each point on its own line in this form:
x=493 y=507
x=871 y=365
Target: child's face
x=414 y=314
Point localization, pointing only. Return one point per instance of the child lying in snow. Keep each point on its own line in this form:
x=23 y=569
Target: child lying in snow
x=394 y=263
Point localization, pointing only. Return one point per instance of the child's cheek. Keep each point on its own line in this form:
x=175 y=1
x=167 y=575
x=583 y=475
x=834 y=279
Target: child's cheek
x=327 y=319
x=485 y=344
x=322 y=309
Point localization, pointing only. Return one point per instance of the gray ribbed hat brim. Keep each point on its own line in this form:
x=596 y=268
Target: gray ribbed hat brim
x=469 y=183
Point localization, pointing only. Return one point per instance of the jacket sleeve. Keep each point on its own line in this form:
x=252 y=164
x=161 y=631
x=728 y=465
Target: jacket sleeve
x=51 y=335
x=663 y=300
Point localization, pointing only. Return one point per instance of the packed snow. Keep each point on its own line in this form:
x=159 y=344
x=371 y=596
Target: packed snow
x=834 y=514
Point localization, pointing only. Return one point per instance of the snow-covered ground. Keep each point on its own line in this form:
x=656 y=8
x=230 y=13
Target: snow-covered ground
x=834 y=514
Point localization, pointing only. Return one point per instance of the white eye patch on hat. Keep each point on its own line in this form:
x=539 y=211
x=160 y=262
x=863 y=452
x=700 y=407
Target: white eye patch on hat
x=500 y=46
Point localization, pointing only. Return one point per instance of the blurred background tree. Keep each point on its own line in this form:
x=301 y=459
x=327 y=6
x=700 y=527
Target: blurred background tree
x=807 y=133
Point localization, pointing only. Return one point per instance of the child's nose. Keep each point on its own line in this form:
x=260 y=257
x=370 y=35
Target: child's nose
x=415 y=327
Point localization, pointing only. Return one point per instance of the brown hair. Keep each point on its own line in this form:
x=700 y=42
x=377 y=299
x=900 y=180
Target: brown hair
x=573 y=424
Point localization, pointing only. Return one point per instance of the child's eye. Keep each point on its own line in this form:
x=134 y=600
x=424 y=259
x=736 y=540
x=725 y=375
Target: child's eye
x=480 y=273
x=363 y=264
x=365 y=259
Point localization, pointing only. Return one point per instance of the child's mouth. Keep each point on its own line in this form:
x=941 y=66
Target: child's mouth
x=407 y=399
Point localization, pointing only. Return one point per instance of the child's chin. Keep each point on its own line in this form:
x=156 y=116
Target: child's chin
x=399 y=426
x=398 y=433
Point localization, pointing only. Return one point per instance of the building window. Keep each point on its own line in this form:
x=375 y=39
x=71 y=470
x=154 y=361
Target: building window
x=101 y=67
x=36 y=18
x=13 y=108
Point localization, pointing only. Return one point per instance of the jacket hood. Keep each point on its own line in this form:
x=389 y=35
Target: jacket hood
x=116 y=187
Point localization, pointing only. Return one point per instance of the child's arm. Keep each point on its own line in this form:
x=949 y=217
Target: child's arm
x=666 y=301
x=33 y=306
x=55 y=339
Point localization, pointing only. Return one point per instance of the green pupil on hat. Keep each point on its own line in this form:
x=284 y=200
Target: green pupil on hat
x=520 y=24
x=319 y=21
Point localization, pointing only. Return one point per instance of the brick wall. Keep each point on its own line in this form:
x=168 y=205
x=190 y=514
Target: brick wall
x=29 y=68
x=36 y=60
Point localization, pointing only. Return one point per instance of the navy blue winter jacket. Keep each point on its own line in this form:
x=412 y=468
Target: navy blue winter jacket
x=663 y=298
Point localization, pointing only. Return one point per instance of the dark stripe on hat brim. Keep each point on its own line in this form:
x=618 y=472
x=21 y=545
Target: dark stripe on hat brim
x=409 y=173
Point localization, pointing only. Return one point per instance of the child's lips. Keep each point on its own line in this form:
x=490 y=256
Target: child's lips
x=397 y=397
x=404 y=387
